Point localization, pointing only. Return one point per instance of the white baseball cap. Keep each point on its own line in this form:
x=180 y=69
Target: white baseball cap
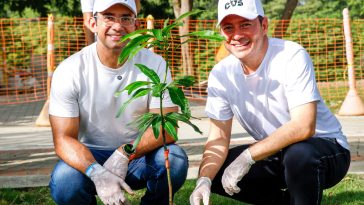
x=102 y=5
x=248 y=9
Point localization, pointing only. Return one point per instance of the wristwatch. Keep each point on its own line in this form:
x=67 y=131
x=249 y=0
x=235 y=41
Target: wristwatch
x=128 y=150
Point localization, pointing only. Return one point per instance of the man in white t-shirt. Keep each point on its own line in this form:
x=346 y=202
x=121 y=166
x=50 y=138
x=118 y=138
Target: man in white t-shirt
x=269 y=86
x=94 y=145
x=86 y=7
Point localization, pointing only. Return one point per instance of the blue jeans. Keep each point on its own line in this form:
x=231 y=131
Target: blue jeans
x=70 y=186
x=296 y=175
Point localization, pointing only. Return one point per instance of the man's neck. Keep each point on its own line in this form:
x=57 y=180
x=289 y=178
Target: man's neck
x=108 y=57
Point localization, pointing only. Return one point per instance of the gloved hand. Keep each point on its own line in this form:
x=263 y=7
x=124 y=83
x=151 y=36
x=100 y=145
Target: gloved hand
x=108 y=186
x=236 y=171
x=202 y=191
x=117 y=164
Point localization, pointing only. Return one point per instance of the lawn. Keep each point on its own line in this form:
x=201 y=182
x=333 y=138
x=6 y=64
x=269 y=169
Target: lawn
x=350 y=191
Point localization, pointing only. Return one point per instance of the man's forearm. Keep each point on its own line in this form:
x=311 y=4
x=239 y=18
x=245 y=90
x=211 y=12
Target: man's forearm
x=66 y=144
x=213 y=158
x=149 y=143
x=75 y=154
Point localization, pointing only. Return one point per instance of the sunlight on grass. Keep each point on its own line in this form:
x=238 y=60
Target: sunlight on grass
x=350 y=191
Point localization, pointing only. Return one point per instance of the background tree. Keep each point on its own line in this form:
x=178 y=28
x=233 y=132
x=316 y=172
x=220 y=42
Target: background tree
x=39 y=8
x=162 y=9
x=159 y=9
x=282 y=25
x=181 y=7
x=329 y=9
x=209 y=8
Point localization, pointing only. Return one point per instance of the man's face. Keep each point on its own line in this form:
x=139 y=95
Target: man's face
x=109 y=34
x=244 y=37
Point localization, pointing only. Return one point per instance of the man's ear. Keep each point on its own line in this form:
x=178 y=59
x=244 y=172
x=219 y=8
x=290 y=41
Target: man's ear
x=265 y=24
x=93 y=24
x=137 y=24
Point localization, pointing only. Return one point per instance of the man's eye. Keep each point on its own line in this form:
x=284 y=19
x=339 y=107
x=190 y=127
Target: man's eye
x=109 y=18
x=245 y=25
x=227 y=28
x=125 y=18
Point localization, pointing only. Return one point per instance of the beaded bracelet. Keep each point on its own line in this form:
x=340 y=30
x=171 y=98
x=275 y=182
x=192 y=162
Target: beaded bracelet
x=90 y=168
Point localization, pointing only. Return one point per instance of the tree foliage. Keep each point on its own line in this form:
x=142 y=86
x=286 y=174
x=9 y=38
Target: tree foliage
x=39 y=8
x=328 y=9
x=162 y=9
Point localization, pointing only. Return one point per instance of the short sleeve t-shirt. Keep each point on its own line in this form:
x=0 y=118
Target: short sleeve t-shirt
x=83 y=87
x=261 y=101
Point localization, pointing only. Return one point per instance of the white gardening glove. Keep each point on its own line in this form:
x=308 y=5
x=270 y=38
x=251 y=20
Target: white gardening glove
x=236 y=171
x=117 y=164
x=109 y=187
x=202 y=191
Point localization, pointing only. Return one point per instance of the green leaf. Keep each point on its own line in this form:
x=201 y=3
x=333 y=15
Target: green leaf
x=177 y=116
x=188 y=14
x=138 y=48
x=165 y=23
x=172 y=121
x=139 y=93
x=152 y=75
x=207 y=34
x=136 y=43
x=186 y=110
x=183 y=118
x=145 y=120
x=131 y=87
x=171 y=130
x=178 y=98
x=130 y=51
x=157 y=89
x=133 y=35
x=158 y=34
x=139 y=40
x=142 y=119
x=186 y=81
x=143 y=123
x=166 y=30
x=124 y=55
x=156 y=125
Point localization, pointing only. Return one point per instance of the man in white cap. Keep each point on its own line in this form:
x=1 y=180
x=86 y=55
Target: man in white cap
x=87 y=7
x=269 y=86
x=92 y=144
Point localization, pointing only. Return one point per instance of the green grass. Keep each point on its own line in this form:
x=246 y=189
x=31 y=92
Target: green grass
x=350 y=191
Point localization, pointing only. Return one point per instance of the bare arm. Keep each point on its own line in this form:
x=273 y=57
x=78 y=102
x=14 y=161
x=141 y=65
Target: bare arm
x=216 y=148
x=300 y=127
x=89 y=35
x=67 y=146
x=148 y=142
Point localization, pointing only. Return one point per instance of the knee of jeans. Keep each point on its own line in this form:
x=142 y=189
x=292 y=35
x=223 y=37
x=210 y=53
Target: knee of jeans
x=178 y=164
x=299 y=158
x=67 y=184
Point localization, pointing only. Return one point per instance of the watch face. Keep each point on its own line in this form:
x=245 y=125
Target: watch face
x=128 y=149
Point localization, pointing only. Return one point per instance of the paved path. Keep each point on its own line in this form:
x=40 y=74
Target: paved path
x=27 y=155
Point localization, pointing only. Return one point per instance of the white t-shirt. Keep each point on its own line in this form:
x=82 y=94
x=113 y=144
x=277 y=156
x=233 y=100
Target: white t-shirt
x=262 y=101
x=83 y=87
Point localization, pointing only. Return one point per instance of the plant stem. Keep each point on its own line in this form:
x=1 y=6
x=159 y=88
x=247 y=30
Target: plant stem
x=166 y=153
x=166 y=150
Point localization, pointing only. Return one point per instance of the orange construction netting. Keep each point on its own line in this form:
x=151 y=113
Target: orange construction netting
x=23 y=63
